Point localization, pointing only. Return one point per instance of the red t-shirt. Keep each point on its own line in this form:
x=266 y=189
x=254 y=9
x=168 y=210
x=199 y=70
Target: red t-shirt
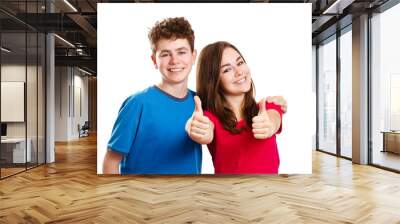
x=242 y=153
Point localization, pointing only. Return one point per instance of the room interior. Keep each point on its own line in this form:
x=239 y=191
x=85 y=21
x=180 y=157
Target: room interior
x=49 y=91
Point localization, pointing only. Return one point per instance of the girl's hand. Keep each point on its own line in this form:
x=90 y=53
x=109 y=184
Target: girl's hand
x=266 y=123
x=199 y=128
x=278 y=100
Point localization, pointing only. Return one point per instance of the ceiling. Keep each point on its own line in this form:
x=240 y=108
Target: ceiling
x=76 y=22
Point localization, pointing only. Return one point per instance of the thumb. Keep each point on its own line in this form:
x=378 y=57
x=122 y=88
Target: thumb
x=262 y=108
x=197 y=103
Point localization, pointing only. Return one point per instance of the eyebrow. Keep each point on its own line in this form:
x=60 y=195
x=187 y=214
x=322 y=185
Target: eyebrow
x=237 y=59
x=178 y=49
x=163 y=51
x=182 y=48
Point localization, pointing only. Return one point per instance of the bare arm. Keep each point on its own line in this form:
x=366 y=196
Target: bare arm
x=275 y=118
x=111 y=162
x=278 y=100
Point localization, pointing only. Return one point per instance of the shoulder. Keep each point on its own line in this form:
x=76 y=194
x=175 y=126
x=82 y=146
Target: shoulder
x=210 y=116
x=138 y=97
x=143 y=94
x=208 y=113
x=192 y=93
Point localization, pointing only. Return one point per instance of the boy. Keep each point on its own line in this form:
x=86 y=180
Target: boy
x=149 y=134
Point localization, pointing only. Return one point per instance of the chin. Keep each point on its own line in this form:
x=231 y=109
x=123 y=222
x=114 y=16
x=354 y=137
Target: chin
x=247 y=89
x=176 y=81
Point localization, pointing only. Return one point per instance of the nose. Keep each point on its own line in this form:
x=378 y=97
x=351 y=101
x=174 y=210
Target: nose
x=238 y=71
x=173 y=60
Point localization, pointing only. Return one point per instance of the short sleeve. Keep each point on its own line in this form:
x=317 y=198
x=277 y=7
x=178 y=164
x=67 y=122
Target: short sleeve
x=126 y=126
x=272 y=106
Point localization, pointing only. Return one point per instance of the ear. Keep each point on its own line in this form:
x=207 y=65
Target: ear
x=194 y=55
x=153 y=59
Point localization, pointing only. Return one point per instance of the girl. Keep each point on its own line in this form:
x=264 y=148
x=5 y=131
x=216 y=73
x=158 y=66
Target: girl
x=240 y=134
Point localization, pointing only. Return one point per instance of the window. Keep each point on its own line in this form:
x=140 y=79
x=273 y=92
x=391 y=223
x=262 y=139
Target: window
x=385 y=88
x=346 y=93
x=327 y=96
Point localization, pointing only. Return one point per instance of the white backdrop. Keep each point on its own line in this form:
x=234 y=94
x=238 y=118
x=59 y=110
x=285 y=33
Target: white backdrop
x=275 y=40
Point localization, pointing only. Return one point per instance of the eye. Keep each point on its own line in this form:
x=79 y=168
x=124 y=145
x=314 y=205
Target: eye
x=182 y=52
x=240 y=63
x=164 y=55
x=227 y=70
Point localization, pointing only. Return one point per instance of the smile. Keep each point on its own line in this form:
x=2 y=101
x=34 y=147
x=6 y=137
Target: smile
x=175 y=69
x=240 y=81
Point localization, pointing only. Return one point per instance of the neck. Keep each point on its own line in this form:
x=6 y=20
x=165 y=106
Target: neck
x=178 y=90
x=236 y=103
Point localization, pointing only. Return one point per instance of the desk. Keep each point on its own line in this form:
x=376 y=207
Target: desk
x=391 y=141
x=15 y=148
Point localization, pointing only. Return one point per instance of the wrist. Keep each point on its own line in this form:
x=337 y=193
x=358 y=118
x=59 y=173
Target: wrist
x=276 y=118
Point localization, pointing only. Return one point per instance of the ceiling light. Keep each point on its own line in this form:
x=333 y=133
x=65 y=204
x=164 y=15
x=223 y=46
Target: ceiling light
x=338 y=6
x=64 y=40
x=5 y=50
x=84 y=71
x=70 y=5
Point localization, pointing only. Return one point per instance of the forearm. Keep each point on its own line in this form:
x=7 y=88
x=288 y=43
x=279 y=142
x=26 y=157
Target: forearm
x=111 y=163
x=275 y=118
x=111 y=168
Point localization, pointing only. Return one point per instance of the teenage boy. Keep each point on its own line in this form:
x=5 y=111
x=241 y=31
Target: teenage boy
x=149 y=134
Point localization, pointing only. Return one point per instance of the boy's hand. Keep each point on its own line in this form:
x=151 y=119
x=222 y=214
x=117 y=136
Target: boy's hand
x=199 y=128
x=278 y=100
x=264 y=124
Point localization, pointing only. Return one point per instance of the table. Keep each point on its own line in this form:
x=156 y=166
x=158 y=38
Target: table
x=391 y=141
x=13 y=150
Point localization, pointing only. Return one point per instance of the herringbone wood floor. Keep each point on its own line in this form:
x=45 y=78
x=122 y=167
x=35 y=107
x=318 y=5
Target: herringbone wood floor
x=69 y=191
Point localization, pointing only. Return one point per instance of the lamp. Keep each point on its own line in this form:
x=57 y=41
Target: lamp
x=64 y=40
x=70 y=5
x=337 y=7
x=84 y=71
x=5 y=50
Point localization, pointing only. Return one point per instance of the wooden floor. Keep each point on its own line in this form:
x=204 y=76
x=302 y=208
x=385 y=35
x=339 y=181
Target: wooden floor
x=10 y=171
x=69 y=191
x=387 y=159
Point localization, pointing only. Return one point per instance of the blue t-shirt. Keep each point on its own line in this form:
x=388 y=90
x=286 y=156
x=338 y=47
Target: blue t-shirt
x=150 y=133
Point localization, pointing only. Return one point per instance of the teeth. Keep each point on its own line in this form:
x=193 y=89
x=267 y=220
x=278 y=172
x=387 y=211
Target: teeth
x=241 y=81
x=175 y=69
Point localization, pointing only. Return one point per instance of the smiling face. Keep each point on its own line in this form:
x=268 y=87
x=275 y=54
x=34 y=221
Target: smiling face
x=174 y=59
x=234 y=73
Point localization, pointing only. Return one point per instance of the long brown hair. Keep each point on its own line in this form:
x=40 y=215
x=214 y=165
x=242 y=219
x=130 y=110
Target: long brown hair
x=211 y=93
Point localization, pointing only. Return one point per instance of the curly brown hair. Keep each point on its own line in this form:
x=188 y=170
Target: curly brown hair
x=171 y=28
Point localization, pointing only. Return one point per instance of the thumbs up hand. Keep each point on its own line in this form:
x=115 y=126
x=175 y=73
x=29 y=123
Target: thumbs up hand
x=199 y=128
x=266 y=123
